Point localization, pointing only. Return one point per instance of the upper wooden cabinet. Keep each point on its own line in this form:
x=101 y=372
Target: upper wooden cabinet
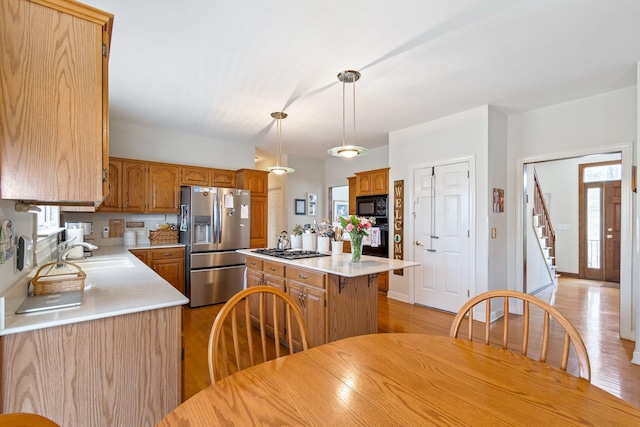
x=193 y=175
x=352 y=195
x=54 y=123
x=164 y=189
x=257 y=183
x=373 y=182
x=253 y=180
x=127 y=187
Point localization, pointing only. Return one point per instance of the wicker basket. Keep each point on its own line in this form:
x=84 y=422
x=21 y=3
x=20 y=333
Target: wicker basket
x=50 y=279
x=163 y=237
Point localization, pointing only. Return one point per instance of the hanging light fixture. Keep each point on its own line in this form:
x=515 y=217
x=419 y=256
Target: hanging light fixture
x=277 y=169
x=348 y=76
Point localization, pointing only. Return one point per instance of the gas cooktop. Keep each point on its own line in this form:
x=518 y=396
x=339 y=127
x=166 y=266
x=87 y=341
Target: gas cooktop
x=290 y=253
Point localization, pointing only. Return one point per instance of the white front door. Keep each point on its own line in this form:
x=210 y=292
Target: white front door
x=441 y=236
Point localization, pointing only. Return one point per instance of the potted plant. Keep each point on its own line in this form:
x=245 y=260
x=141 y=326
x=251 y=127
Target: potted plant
x=296 y=237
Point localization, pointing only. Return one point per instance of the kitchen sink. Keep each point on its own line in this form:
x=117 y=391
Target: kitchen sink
x=99 y=264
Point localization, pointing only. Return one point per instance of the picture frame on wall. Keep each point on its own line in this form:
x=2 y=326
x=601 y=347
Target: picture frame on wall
x=300 y=206
x=340 y=209
x=312 y=201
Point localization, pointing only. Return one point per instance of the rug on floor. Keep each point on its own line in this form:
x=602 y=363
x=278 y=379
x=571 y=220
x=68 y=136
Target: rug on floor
x=611 y=285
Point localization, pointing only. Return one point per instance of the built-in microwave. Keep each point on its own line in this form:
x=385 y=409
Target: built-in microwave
x=375 y=206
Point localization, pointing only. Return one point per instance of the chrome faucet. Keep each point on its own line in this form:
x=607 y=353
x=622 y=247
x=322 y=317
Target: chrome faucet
x=67 y=248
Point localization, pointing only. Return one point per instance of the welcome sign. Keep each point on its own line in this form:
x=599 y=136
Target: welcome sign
x=398 y=222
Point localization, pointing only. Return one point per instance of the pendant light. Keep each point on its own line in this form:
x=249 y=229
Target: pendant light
x=277 y=169
x=348 y=76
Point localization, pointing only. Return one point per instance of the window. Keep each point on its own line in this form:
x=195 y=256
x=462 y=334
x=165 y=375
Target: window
x=602 y=173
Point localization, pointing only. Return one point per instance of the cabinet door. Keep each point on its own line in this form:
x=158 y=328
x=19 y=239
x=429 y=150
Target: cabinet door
x=352 y=195
x=363 y=184
x=276 y=282
x=253 y=180
x=51 y=69
x=171 y=270
x=311 y=301
x=194 y=176
x=223 y=178
x=379 y=181
x=141 y=254
x=383 y=282
x=113 y=201
x=254 y=278
x=164 y=190
x=258 y=222
x=134 y=186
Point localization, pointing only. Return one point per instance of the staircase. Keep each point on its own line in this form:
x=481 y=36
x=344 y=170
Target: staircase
x=544 y=229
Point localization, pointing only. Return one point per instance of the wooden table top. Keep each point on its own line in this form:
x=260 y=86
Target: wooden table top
x=403 y=379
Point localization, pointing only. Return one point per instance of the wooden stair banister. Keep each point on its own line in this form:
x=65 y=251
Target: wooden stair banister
x=544 y=219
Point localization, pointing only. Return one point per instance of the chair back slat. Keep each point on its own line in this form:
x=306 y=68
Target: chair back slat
x=570 y=334
x=505 y=327
x=262 y=304
x=525 y=328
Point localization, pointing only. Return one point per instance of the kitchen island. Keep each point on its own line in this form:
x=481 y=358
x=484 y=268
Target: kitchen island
x=114 y=360
x=338 y=298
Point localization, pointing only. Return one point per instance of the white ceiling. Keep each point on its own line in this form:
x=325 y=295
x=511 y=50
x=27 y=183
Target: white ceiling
x=220 y=68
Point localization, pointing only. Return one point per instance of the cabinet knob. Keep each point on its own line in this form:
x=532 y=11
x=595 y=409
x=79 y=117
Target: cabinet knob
x=303 y=276
x=273 y=269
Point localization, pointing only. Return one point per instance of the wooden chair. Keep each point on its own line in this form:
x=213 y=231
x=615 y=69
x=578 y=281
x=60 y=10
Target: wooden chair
x=264 y=306
x=25 y=420
x=571 y=335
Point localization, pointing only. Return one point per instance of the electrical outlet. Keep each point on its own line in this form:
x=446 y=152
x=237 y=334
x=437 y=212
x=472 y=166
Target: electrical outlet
x=494 y=233
x=564 y=226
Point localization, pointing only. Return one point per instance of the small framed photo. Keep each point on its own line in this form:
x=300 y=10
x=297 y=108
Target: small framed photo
x=340 y=208
x=498 y=200
x=312 y=200
x=300 y=207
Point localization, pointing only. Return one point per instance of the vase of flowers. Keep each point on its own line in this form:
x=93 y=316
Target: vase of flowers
x=358 y=228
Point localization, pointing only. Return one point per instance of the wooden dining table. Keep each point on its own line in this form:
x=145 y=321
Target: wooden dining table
x=403 y=379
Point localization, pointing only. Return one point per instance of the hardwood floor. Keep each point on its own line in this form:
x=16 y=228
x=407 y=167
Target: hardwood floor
x=592 y=308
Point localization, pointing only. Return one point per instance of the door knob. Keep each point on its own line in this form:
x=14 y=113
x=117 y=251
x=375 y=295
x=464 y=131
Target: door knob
x=418 y=243
x=609 y=236
x=609 y=229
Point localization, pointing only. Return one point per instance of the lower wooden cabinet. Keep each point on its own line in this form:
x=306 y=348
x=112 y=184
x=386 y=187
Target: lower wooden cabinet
x=167 y=262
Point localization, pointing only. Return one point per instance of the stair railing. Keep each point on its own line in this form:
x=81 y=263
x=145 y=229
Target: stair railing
x=541 y=209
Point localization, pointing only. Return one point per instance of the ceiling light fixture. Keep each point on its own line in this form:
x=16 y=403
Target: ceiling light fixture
x=348 y=151
x=277 y=169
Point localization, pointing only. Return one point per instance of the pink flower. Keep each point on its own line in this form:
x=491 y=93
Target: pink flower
x=349 y=228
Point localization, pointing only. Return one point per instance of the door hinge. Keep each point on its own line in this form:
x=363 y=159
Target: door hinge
x=467 y=293
x=468 y=234
x=467 y=174
x=105 y=50
x=105 y=176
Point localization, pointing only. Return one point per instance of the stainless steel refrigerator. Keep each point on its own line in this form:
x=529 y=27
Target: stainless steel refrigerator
x=214 y=222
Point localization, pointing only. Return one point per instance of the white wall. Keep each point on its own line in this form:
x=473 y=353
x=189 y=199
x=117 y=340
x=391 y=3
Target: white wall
x=588 y=125
x=23 y=224
x=138 y=142
x=459 y=137
x=497 y=178
x=308 y=178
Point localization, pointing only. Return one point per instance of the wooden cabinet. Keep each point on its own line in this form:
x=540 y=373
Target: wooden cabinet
x=191 y=175
x=257 y=182
x=372 y=182
x=167 y=262
x=164 y=189
x=222 y=178
x=54 y=122
x=127 y=187
x=352 y=195
x=383 y=282
x=305 y=287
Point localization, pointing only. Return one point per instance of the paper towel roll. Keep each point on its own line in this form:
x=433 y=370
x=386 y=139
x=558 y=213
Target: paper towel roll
x=78 y=233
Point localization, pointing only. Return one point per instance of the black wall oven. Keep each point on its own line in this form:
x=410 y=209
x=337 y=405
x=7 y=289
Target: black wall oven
x=376 y=207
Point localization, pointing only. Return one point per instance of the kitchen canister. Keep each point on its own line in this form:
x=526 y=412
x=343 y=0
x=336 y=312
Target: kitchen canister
x=130 y=238
x=324 y=244
x=309 y=241
x=337 y=247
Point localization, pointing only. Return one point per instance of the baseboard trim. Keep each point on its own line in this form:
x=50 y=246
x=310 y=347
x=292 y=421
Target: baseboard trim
x=569 y=275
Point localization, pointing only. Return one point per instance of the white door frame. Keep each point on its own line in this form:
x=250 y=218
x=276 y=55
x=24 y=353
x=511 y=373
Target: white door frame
x=409 y=246
x=627 y=281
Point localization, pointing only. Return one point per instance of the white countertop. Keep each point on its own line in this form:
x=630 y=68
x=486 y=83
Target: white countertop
x=121 y=288
x=340 y=265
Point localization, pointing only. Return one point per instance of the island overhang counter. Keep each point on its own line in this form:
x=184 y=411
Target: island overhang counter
x=338 y=298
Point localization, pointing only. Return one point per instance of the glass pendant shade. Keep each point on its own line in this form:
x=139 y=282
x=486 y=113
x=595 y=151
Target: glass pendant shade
x=277 y=169
x=345 y=150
